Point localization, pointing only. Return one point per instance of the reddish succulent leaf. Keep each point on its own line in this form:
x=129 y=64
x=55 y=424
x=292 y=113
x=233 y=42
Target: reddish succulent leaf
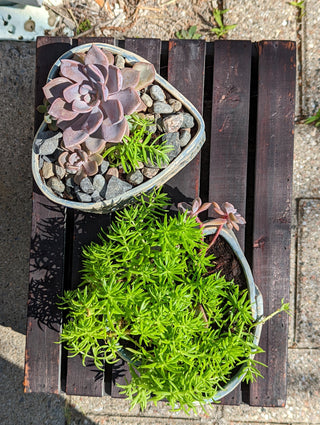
x=94 y=74
x=113 y=110
x=114 y=133
x=73 y=137
x=96 y=56
x=62 y=110
x=94 y=144
x=114 y=82
x=84 y=89
x=71 y=92
x=93 y=122
x=55 y=88
x=72 y=70
x=109 y=55
x=80 y=106
x=91 y=168
x=141 y=107
x=63 y=159
x=103 y=91
x=216 y=222
x=129 y=99
x=81 y=174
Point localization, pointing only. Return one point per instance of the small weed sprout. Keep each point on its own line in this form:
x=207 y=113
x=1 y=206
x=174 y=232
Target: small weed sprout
x=83 y=26
x=43 y=109
x=300 y=6
x=190 y=34
x=315 y=119
x=221 y=30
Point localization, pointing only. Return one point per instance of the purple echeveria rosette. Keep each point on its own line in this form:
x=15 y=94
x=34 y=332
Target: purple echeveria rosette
x=89 y=100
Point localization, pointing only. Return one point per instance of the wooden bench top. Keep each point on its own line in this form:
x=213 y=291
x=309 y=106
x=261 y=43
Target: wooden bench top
x=245 y=92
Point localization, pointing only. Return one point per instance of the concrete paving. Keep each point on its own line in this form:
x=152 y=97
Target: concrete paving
x=16 y=128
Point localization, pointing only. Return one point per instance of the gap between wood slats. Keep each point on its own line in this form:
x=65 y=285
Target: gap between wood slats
x=272 y=211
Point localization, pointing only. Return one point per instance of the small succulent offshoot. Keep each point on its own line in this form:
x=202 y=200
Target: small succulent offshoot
x=228 y=215
x=80 y=163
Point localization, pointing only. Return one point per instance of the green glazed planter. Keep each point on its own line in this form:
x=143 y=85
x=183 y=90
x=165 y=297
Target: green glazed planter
x=256 y=305
x=187 y=154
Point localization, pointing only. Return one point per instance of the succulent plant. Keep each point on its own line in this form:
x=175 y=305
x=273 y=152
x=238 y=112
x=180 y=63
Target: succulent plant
x=90 y=99
x=229 y=216
x=80 y=163
x=195 y=208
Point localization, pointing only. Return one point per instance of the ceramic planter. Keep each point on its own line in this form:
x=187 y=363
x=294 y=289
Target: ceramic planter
x=186 y=155
x=256 y=304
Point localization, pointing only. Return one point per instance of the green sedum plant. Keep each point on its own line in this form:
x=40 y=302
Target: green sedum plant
x=140 y=146
x=146 y=289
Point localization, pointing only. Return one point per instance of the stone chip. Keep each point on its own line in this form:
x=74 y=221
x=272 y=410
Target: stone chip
x=116 y=187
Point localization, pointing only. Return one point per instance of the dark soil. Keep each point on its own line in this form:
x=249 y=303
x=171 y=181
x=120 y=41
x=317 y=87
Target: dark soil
x=226 y=262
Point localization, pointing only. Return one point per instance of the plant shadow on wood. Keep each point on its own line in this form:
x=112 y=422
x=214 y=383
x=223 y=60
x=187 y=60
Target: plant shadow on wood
x=46 y=266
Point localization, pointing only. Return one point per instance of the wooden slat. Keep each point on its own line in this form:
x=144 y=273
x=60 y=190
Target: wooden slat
x=150 y=49
x=186 y=60
x=152 y=54
x=272 y=208
x=43 y=355
x=48 y=49
x=80 y=380
x=229 y=134
x=230 y=125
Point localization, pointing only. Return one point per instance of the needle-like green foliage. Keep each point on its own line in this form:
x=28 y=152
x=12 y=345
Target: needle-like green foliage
x=140 y=146
x=145 y=287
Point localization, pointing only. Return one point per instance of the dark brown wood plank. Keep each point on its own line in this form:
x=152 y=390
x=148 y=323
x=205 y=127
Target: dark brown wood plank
x=230 y=125
x=186 y=60
x=152 y=53
x=80 y=380
x=150 y=49
x=272 y=211
x=229 y=134
x=43 y=355
x=48 y=49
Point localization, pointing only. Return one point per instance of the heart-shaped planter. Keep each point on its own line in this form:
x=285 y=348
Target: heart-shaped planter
x=108 y=201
